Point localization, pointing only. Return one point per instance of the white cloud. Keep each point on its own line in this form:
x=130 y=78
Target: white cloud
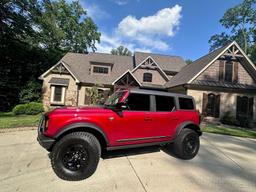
x=121 y=2
x=95 y=11
x=145 y=34
x=164 y=22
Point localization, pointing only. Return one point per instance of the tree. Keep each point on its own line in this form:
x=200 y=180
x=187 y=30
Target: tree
x=35 y=34
x=30 y=92
x=121 y=50
x=240 y=22
x=65 y=26
x=188 y=61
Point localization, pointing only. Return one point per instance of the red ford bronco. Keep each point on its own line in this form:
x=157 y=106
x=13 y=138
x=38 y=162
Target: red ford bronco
x=75 y=136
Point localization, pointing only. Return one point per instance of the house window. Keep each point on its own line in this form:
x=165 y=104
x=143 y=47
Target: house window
x=102 y=70
x=147 y=77
x=228 y=71
x=57 y=94
x=244 y=107
x=211 y=105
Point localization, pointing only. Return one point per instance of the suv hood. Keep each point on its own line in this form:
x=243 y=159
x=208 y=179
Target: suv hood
x=78 y=109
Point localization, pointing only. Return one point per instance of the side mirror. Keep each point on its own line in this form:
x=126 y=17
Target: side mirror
x=121 y=106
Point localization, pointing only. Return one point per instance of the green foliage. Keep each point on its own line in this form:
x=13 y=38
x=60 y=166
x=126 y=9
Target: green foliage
x=228 y=118
x=188 y=61
x=34 y=35
x=235 y=131
x=19 y=109
x=240 y=22
x=30 y=92
x=31 y=108
x=34 y=108
x=94 y=95
x=66 y=26
x=9 y=120
x=121 y=50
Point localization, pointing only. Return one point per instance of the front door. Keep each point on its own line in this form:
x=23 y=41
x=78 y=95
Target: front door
x=134 y=124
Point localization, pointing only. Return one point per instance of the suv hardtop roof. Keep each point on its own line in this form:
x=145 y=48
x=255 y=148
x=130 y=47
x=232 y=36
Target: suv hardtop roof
x=161 y=93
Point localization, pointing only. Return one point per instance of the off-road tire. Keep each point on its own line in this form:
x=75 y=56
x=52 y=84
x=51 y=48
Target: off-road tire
x=88 y=143
x=182 y=148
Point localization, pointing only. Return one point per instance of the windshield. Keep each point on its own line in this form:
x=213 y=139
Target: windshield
x=114 y=98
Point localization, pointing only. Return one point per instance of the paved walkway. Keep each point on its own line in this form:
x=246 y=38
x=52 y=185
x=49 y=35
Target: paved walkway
x=224 y=163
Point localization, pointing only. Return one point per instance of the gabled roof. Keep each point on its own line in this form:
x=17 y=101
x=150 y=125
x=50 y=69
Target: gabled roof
x=193 y=70
x=166 y=62
x=61 y=63
x=80 y=65
x=125 y=73
x=154 y=63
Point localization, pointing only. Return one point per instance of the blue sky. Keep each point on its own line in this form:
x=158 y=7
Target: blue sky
x=168 y=27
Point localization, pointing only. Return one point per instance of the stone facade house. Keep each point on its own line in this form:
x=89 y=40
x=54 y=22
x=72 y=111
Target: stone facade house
x=68 y=82
x=222 y=82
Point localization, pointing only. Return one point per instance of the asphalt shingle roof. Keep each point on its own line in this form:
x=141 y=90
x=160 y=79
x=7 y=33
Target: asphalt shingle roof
x=190 y=70
x=59 y=81
x=166 y=62
x=79 y=65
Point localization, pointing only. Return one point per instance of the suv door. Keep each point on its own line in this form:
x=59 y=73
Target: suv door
x=164 y=117
x=133 y=125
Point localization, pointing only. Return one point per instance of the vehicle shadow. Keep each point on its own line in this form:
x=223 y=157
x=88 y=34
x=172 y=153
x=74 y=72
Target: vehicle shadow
x=137 y=151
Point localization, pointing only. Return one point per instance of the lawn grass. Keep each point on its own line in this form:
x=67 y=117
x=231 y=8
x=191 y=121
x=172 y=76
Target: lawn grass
x=234 y=131
x=9 y=120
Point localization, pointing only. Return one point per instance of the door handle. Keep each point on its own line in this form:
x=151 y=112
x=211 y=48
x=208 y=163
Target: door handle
x=147 y=119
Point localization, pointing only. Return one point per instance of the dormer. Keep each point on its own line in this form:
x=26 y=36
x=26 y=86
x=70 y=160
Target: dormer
x=100 y=68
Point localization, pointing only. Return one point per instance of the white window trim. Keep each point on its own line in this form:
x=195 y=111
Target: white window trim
x=63 y=93
x=103 y=66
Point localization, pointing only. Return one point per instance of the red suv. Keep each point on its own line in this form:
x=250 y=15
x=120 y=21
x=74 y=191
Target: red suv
x=75 y=136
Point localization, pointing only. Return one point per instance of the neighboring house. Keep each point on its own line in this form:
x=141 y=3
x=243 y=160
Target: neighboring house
x=221 y=81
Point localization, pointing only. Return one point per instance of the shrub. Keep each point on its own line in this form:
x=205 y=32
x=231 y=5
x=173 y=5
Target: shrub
x=19 y=109
x=229 y=119
x=32 y=108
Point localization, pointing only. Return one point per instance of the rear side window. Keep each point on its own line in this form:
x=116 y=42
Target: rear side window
x=138 y=102
x=164 y=103
x=186 y=103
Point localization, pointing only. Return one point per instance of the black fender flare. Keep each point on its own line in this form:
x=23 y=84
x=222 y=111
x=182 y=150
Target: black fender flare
x=190 y=125
x=85 y=125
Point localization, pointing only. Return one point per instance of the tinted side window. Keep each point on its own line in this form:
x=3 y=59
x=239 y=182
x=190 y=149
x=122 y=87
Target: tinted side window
x=138 y=102
x=164 y=103
x=186 y=103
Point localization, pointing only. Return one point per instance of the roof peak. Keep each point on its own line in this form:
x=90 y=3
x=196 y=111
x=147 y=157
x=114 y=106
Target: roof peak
x=157 y=54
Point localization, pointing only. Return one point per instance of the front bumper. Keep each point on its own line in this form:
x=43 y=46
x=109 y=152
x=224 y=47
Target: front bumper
x=44 y=141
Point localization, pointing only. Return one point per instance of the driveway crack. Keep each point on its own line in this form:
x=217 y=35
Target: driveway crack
x=144 y=188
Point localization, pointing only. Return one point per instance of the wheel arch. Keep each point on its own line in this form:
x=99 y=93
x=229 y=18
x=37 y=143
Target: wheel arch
x=84 y=127
x=188 y=125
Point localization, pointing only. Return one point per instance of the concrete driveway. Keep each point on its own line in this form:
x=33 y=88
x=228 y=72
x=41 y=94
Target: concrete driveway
x=224 y=163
